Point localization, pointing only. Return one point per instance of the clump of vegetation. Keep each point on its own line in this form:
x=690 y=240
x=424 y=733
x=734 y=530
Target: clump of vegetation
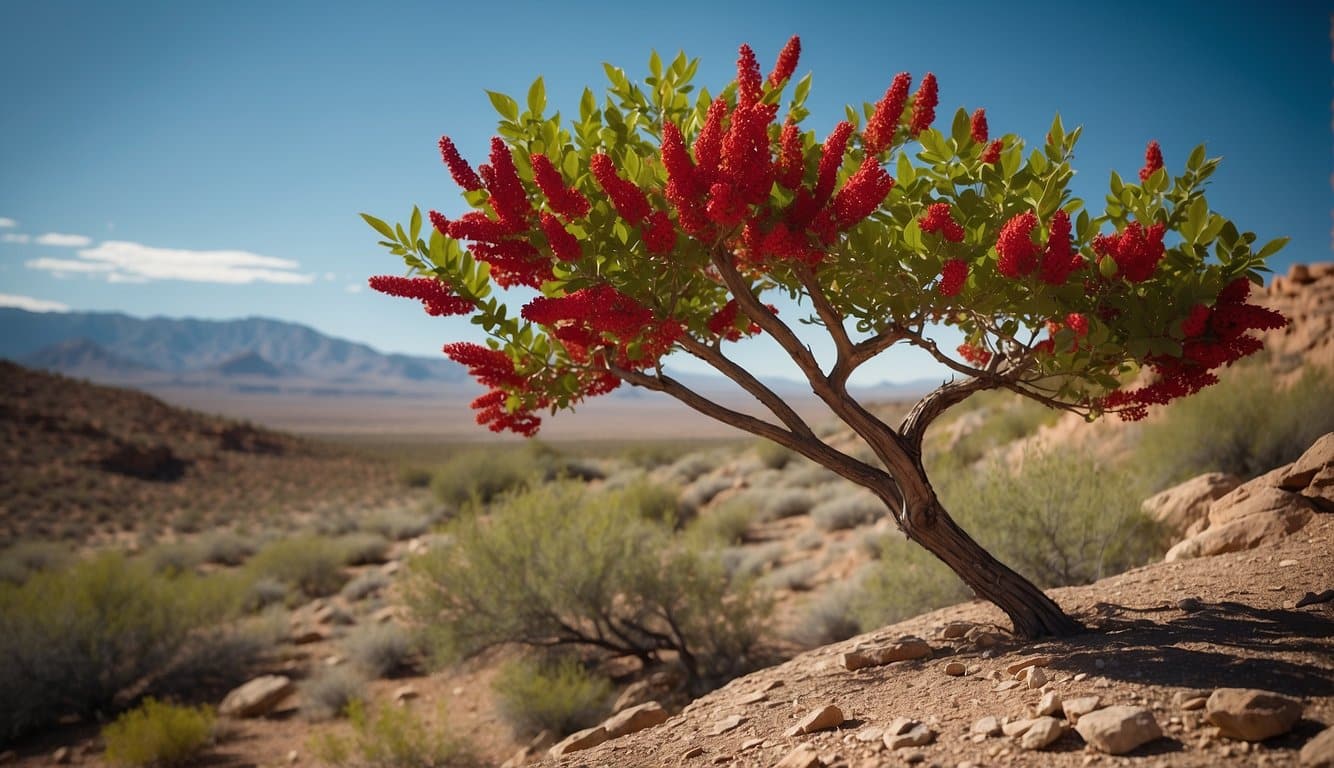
x=725 y=524
x=364 y=548
x=309 y=563
x=22 y=559
x=905 y=582
x=1004 y=418
x=414 y=477
x=158 y=734
x=74 y=639
x=561 y=696
x=365 y=585
x=481 y=475
x=391 y=737
x=175 y=557
x=1243 y=425
x=330 y=692
x=798 y=576
x=701 y=492
x=652 y=501
x=397 y=524
x=779 y=503
x=558 y=565
x=772 y=455
x=828 y=617
x=225 y=547
x=847 y=511
x=382 y=650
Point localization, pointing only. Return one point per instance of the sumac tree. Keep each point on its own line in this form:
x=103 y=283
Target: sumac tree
x=662 y=218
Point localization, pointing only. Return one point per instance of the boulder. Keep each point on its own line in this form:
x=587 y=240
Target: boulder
x=256 y=698
x=1245 y=533
x=1118 y=730
x=1180 y=507
x=634 y=719
x=1252 y=715
x=1263 y=500
x=663 y=686
x=1318 y=752
x=1299 y=474
x=585 y=739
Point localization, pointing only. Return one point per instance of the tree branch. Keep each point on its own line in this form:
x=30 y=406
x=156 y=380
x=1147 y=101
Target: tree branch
x=748 y=382
x=843 y=366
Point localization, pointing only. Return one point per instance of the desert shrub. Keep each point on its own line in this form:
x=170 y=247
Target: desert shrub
x=158 y=734
x=264 y=592
x=808 y=475
x=364 y=548
x=749 y=562
x=225 y=548
x=382 y=650
x=797 y=577
x=74 y=639
x=1061 y=517
x=828 y=617
x=221 y=657
x=397 y=524
x=648 y=499
x=808 y=540
x=22 y=559
x=557 y=564
x=1007 y=417
x=328 y=692
x=847 y=511
x=391 y=737
x=905 y=582
x=364 y=585
x=725 y=524
x=334 y=524
x=311 y=564
x=1244 y=425
x=483 y=474
x=414 y=477
x=561 y=696
x=701 y=492
x=175 y=557
x=779 y=503
x=773 y=455
x=691 y=466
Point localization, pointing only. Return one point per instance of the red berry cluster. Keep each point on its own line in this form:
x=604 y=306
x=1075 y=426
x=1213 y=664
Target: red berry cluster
x=978 y=126
x=723 y=323
x=978 y=356
x=1018 y=254
x=434 y=295
x=953 y=274
x=939 y=219
x=1214 y=337
x=1153 y=160
x=1136 y=250
x=568 y=202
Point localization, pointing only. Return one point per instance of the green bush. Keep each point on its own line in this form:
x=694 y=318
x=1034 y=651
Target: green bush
x=311 y=564
x=397 y=524
x=414 y=477
x=701 y=492
x=225 y=548
x=391 y=737
x=828 y=617
x=847 y=511
x=72 y=640
x=382 y=650
x=773 y=455
x=365 y=585
x=779 y=503
x=483 y=474
x=905 y=582
x=21 y=560
x=364 y=548
x=1244 y=425
x=561 y=696
x=649 y=500
x=796 y=577
x=725 y=524
x=175 y=557
x=158 y=734
x=329 y=692
x=561 y=565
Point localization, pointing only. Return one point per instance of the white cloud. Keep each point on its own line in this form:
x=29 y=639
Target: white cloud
x=330 y=276
x=14 y=237
x=31 y=304
x=353 y=288
x=6 y=222
x=134 y=262
x=64 y=241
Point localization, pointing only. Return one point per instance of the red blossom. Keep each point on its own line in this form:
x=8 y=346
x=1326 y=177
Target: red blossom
x=864 y=191
x=1059 y=258
x=491 y=367
x=952 y=277
x=563 y=244
x=787 y=62
x=659 y=234
x=477 y=226
x=514 y=262
x=675 y=158
x=746 y=160
x=1018 y=254
x=709 y=143
x=1235 y=292
x=940 y=220
x=439 y=221
x=976 y=355
x=924 y=105
x=1153 y=160
x=459 y=169
x=435 y=296
x=725 y=208
x=493 y=414
x=1077 y=323
x=748 y=82
x=1197 y=322
x=993 y=152
x=879 y=133
x=1136 y=250
x=978 y=126
x=568 y=202
x=508 y=196
x=791 y=159
x=628 y=199
x=830 y=159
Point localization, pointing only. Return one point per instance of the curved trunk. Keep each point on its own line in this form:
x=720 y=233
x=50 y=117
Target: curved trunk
x=1033 y=613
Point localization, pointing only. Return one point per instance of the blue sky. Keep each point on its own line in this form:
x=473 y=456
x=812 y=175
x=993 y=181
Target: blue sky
x=209 y=159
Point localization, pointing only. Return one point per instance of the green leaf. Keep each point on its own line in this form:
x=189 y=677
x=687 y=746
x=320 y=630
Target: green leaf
x=415 y=224
x=588 y=104
x=537 y=97
x=380 y=226
x=1272 y=247
x=506 y=106
x=1196 y=158
x=802 y=90
x=655 y=65
x=571 y=165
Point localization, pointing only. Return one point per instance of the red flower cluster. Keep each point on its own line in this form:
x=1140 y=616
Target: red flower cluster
x=628 y=199
x=1136 y=250
x=940 y=220
x=492 y=413
x=1214 y=338
x=924 y=105
x=884 y=122
x=723 y=323
x=978 y=126
x=952 y=277
x=862 y=194
x=749 y=86
x=434 y=295
x=563 y=244
x=791 y=160
x=831 y=158
x=490 y=367
x=1153 y=160
x=787 y=62
x=993 y=152
x=582 y=317
x=568 y=202
x=978 y=356
x=659 y=234
x=508 y=197
x=459 y=169
x=1059 y=258
x=1016 y=251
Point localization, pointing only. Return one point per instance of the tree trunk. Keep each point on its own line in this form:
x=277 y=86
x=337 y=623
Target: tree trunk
x=1033 y=613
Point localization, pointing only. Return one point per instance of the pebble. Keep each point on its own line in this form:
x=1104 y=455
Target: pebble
x=955 y=669
x=1189 y=604
x=1050 y=703
x=727 y=723
x=1043 y=732
x=822 y=719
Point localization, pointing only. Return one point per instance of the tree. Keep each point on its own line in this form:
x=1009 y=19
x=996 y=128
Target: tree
x=660 y=219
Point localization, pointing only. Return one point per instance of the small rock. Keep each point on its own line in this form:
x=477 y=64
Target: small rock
x=871 y=734
x=1019 y=666
x=308 y=635
x=405 y=693
x=1050 y=703
x=1035 y=678
x=1119 y=729
x=803 y=756
x=754 y=697
x=692 y=752
x=956 y=629
x=634 y=719
x=855 y=660
x=727 y=723
x=1252 y=715
x=1319 y=751
x=1018 y=727
x=721 y=759
x=822 y=719
x=293 y=757
x=1043 y=732
x=334 y=660
x=899 y=725
x=1080 y=677
x=1189 y=604
x=1287 y=563
x=1311 y=598
x=913 y=758
x=956 y=669
x=750 y=744
x=1008 y=685
x=580 y=740
x=1193 y=703
x=982 y=638
x=1078 y=707
x=987 y=726
x=917 y=735
x=61 y=755
x=256 y=698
